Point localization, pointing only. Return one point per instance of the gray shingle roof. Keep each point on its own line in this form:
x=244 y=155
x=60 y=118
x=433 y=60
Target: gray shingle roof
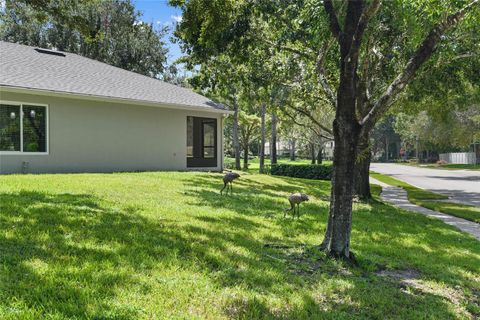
x=22 y=66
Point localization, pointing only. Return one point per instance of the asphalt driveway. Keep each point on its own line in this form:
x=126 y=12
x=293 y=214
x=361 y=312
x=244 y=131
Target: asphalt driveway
x=460 y=185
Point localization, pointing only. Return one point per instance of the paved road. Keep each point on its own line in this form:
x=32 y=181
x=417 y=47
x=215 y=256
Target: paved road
x=460 y=185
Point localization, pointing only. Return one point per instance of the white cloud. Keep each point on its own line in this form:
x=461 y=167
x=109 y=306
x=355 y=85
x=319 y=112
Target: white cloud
x=177 y=19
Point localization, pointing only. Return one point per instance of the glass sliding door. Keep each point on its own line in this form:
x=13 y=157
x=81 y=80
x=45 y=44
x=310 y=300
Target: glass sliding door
x=209 y=137
x=201 y=142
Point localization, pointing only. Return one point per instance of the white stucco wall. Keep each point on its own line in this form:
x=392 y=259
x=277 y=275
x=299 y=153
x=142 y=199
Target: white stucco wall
x=92 y=136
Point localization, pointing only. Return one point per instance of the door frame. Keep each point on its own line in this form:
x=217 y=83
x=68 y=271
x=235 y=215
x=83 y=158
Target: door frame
x=198 y=160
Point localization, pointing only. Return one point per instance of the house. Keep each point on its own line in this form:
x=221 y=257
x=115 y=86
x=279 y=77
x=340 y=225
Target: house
x=283 y=148
x=61 y=112
x=328 y=149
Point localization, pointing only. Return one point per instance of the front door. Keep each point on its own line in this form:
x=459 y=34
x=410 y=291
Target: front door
x=201 y=142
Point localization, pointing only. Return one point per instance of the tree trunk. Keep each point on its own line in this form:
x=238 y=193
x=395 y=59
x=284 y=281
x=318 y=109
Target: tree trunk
x=417 y=154
x=320 y=154
x=362 y=168
x=346 y=130
x=312 y=153
x=292 y=150
x=337 y=237
x=477 y=152
x=245 y=157
x=386 y=149
x=273 y=141
x=262 y=142
x=236 y=143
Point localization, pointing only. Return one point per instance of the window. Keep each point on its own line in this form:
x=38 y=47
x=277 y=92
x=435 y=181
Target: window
x=23 y=128
x=9 y=128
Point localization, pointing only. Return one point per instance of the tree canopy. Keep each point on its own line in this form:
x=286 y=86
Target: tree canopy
x=361 y=55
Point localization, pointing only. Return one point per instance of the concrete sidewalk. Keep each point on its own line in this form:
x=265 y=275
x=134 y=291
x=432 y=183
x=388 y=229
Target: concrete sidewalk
x=398 y=197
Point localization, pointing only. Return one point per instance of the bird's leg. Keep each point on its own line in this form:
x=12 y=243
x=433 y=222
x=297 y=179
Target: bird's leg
x=292 y=206
x=224 y=185
x=298 y=211
x=231 y=187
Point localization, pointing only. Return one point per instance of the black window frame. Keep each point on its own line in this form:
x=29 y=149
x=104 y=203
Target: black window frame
x=22 y=115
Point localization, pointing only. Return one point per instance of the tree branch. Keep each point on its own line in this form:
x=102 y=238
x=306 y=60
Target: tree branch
x=306 y=113
x=367 y=14
x=363 y=97
x=305 y=54
x=304 y=125
x=331 y=96
x=329 y=92
x=422 y=54
x=464 y=56
x=332 y=17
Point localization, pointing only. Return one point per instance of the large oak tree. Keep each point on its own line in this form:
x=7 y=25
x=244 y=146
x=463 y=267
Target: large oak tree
x=365 y=53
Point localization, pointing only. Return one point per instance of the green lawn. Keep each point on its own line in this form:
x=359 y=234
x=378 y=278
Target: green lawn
x=447 y=166
x=168 y=246
x=428 y=199
x=459 y=166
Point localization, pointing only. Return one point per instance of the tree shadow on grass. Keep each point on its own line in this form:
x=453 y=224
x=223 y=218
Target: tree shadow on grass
x=388 y=223
x=250 y=197
x=69 y=254
x=56 y=243
x=419 y=241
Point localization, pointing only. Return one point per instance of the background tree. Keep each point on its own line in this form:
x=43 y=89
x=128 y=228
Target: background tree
x=382 y=137
x=273 y=138
x=249 y=131
x=115 y=34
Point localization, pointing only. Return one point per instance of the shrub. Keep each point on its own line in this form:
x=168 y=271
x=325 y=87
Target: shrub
x=308 y=171
x=229 y=163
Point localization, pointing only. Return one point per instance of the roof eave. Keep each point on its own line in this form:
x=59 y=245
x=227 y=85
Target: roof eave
x=63 y=94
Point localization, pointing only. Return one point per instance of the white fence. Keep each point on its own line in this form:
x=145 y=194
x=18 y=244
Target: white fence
x=459 y=157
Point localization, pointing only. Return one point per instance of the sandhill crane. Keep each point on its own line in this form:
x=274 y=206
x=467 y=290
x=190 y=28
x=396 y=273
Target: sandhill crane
x=227 y=181
x=295 y=199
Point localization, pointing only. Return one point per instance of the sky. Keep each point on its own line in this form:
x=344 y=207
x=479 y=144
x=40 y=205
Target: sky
x=160 y=14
